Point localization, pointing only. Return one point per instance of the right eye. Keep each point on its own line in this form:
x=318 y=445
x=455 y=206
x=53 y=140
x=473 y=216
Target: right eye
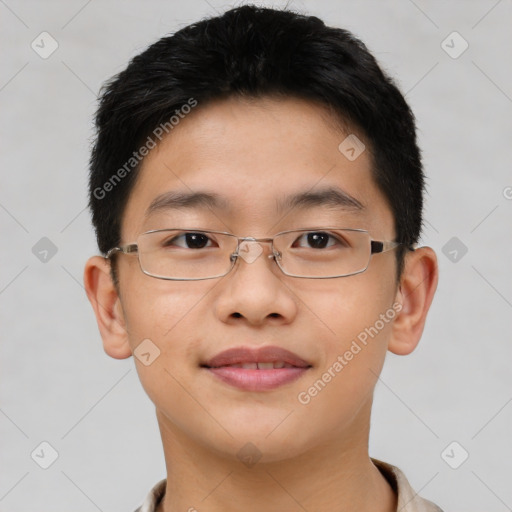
x=320 y=240
x=191 y=240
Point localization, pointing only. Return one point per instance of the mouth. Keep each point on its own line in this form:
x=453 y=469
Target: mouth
x=259 y=365
x=260 y=369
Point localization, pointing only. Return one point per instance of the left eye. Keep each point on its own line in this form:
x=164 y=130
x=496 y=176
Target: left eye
x=189 y=241
x=318 y=239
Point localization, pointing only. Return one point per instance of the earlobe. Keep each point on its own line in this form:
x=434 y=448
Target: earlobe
x=106 y=304
x=416 y=291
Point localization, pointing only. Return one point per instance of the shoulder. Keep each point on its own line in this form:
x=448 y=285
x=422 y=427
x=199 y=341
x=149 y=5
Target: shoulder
x=408 y=500
x=153 y=498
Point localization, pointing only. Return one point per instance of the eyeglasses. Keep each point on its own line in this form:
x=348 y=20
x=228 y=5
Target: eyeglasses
x=313 y=253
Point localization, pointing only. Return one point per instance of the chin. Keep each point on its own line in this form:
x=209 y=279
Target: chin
x=255 y=446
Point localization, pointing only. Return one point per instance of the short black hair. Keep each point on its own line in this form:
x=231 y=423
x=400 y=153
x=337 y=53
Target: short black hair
x=254 y=52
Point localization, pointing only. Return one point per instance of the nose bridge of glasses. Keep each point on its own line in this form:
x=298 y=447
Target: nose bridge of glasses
x=250 y=248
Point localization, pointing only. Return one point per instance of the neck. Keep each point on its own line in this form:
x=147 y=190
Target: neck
x=327 y=477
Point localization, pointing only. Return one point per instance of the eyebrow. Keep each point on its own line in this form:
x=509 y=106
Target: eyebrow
x=187 y=200
x=332 y=197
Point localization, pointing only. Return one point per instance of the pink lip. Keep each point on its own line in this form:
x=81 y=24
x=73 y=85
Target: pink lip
x=256 y=380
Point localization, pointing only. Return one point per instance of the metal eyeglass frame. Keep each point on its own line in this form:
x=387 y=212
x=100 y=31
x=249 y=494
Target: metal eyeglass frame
x=376 y=247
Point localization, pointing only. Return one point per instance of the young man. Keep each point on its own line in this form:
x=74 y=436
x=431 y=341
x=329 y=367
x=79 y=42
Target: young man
x=256 y=189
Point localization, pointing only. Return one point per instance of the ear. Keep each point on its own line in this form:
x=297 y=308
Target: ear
x=415 y=293
x=106 y=304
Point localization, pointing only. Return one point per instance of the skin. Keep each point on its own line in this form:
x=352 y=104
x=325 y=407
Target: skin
x=314 y=456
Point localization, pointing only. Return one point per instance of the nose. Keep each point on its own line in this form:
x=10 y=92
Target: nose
x=250 y=249
x=254 y=290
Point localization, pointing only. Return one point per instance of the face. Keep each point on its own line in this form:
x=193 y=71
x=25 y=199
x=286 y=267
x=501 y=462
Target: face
x=253 y=155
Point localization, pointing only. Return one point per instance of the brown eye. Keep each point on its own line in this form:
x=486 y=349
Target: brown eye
x=188 y=241
x=319 y=240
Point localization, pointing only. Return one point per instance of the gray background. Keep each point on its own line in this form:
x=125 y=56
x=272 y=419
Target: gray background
x=60 y=387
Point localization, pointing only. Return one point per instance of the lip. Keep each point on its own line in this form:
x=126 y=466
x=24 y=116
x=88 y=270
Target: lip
x=256 y=380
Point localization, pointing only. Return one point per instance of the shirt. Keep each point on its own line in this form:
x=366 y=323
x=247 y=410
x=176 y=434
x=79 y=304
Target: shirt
x=408 y=500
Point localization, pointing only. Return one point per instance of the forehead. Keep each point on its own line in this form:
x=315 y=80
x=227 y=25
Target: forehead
x=251 y=160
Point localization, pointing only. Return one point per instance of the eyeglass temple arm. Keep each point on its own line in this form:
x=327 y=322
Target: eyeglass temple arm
x=377 y=246
x=126 y=249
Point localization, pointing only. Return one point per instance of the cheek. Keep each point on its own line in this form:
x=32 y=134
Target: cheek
x=162 y=320
x=358 y=317
x=159 y=309
x=166 y=313
x=347 y=307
